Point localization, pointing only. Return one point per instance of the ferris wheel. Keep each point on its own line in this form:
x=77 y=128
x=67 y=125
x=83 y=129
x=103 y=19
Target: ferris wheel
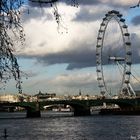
x=122 y=60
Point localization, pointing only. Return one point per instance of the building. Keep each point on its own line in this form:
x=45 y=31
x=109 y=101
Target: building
x=27 y=98
x=44 y=96
x=9 y=98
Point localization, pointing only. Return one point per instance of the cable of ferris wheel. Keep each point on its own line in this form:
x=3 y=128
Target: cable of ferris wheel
x=131 y=74
x=129 y=83
x=118 y=64
x=135 y=76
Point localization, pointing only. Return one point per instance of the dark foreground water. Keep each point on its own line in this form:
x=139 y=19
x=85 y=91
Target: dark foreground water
x=61 y=126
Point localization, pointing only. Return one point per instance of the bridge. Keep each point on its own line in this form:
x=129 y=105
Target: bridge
x=80 y=107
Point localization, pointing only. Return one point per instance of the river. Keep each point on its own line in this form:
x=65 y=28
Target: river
x=64 y=126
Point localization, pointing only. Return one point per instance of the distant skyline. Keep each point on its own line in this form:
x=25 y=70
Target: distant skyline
x=65 y=63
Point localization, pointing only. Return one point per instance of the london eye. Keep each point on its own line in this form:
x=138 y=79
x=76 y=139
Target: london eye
x=114 y=57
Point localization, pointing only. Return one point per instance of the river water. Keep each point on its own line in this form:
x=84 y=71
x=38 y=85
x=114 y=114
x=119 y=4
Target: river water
x=64 y=126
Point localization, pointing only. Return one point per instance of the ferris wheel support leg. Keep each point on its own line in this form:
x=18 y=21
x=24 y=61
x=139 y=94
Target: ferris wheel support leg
x=132 y=90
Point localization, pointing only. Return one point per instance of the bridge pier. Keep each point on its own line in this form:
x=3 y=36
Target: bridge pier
x=33 y=112
x=82 y=111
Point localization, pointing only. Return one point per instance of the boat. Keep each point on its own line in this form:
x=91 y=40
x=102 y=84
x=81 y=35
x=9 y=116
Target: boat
x=61 y=109
x=118 y=111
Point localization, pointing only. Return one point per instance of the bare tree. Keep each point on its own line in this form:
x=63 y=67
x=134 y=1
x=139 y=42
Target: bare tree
x=9 y=21
x=53 y=4
x=10 y=24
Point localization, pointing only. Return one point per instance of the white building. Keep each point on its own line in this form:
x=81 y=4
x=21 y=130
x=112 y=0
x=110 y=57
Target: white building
x=9 y=98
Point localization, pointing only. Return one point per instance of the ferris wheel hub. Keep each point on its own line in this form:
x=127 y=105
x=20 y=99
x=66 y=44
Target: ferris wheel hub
x=113 y=58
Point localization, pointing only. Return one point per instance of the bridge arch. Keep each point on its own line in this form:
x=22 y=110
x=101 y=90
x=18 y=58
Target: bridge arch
x=79 y=109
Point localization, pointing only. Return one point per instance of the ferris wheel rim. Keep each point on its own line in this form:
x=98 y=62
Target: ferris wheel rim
x=100 y=43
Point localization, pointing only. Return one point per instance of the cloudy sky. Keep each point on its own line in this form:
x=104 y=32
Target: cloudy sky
x=62 y=60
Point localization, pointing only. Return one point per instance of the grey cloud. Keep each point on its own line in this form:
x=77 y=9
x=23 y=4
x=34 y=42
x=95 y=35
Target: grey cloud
x=74 y=59
x=88 y=2
x=37 y=10
x=36 y=13
x=101 y=3
x=69 y=2
x=85 y=55
x=120 y=51
x=31 y=73
x=42 y=44
x=86 y=16
x=38 y=4
x=135 y=48
x=136 y=20
x=80 y=2
x=83 y=80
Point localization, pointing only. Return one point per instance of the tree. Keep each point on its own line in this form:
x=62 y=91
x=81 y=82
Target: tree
x=53 y=4
x=10 y=26
x=9 y=23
